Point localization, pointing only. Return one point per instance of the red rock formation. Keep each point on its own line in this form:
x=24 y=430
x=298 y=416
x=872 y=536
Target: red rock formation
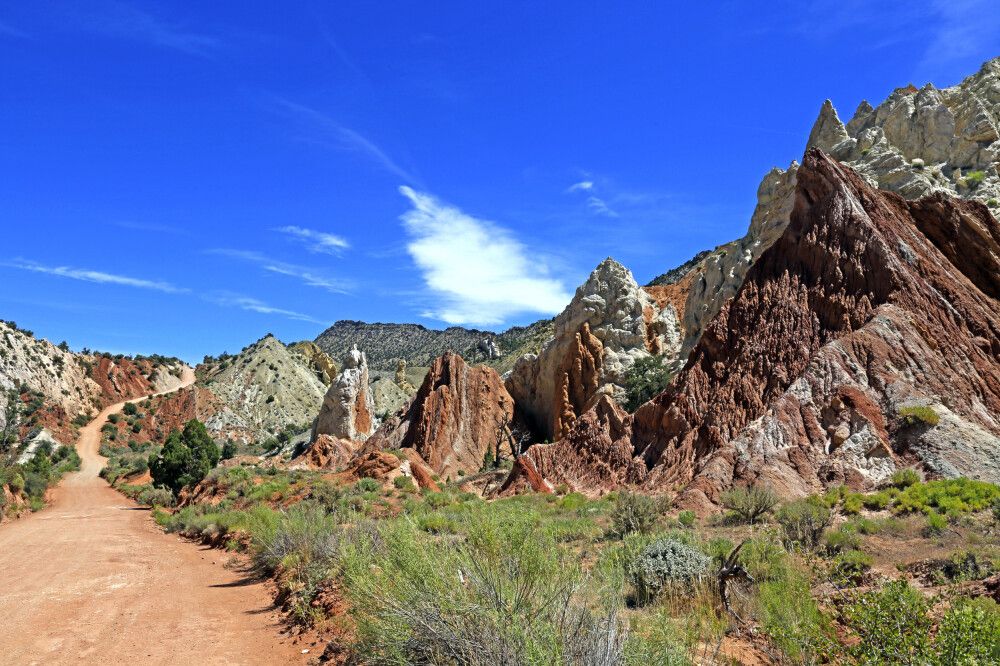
x=327 y=452
x=454 y=418
x=122 y=379
x=866 y=303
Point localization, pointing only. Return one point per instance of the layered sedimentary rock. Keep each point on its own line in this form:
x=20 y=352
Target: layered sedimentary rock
x=258 y=392
x=915 y=143
x=610 y=323
x=316 y=358
x=453 y=420
x=348 y=410
x=866 y=305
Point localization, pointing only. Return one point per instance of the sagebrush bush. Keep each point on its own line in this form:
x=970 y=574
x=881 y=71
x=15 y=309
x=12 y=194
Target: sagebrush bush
x=633 y=513
x=804 y=522
x=969 y=633
x=156 y=497
x=503 y=595
x=663 y=563
x=749 y=504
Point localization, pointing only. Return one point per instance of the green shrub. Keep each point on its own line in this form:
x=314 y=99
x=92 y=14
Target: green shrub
x=647 y=378
x=843 y=539
x=367 y=485
x=749 y=504
x=936 y=524
x=904 y=478
x=804 y=522
x=633 y=513
x=436 y=523
x=156 y=497
x=687 y=518
x=851 y=565
x=405 y=484
x=186 y=457
x=130 y=409
x=663 y=563
x=969 y=633
x=913 y=415
x=892 y=625
x=947 y=495
x=503 y=595
x=974 y=179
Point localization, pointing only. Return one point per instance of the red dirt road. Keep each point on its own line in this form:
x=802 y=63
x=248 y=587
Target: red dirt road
x=92 y=580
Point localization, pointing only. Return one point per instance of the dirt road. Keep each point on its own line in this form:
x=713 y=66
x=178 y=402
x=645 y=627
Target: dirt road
x=92 y=580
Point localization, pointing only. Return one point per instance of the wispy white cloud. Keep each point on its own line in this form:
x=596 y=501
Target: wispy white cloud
x=250 y=304
x=347 y=139
x=308 y=276
x=99 y=277
x=316 y=241
x=477 y=272
x=599 y=206
x=126 y=21
x=596 y=204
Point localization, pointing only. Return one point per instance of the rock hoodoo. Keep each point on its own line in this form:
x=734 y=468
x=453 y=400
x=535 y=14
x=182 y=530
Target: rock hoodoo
x=862 y=308
x=610 y=323
x=348 y=410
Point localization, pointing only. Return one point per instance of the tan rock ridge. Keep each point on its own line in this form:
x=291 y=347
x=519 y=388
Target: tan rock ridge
x=610 y=323
x=866 y=304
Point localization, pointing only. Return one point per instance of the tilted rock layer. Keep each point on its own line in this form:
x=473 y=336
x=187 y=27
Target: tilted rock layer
x=866 y=304
x=915 y=143
x=453 y=420
x=610 y=323
x=348 y=410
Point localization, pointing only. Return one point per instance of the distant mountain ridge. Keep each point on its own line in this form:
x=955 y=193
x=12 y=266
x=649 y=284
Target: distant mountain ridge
x=385 y=344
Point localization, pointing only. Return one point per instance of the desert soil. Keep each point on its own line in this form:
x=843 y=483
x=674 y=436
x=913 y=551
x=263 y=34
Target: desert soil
x=91 y=579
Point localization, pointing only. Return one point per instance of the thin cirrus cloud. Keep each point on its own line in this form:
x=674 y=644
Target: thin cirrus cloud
x=316 y=241
x=477 y=271
x=250 y=304
x=99 y=277
x=308 y=276
x=124 y=21
x=345 y=138
x=594 y=203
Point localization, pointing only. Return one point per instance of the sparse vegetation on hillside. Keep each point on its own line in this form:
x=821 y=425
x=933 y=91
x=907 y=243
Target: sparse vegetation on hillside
x=646 y=379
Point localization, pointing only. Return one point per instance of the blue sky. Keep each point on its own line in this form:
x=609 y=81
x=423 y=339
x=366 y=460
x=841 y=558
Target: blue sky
x=182 y=178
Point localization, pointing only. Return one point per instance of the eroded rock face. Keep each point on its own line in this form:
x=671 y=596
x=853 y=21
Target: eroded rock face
x=866 y=304
x=610 y=323
x=915 y=143
x=316 y=359
x=922 y=141
x=454 y=418
x=348 y=410
x=326 y=452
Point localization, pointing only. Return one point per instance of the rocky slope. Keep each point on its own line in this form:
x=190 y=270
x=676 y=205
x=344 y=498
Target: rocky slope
x=610 y=322
x=59 y=385
x=867 y=310
x=914 y=143
x=454 y=419
x=249 y=397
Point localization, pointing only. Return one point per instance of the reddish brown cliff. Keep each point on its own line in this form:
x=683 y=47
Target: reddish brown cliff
x=454 y=418
x=866 y=305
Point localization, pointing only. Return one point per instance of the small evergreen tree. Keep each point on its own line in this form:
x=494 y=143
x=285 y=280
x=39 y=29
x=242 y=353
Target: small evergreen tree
x=186 y=457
